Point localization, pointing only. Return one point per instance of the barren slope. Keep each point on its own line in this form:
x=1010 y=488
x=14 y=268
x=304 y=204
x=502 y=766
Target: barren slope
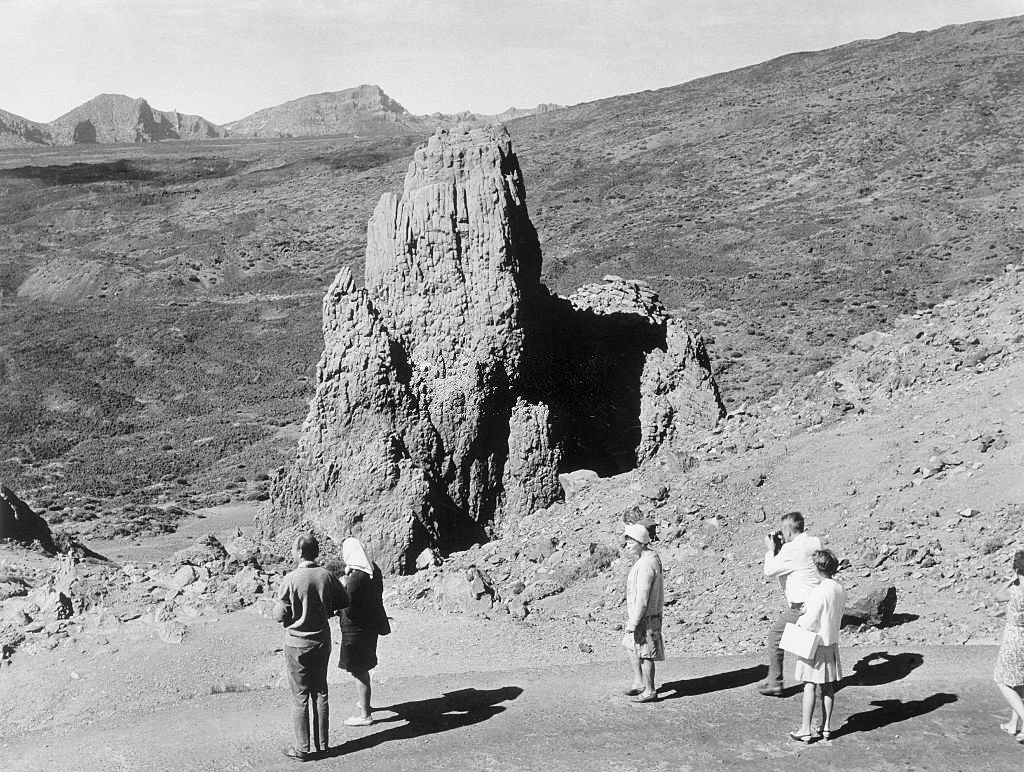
x=792 y=204
x=783 y=208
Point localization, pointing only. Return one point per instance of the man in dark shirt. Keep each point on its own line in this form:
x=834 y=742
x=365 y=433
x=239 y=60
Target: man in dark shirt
x=308 y=597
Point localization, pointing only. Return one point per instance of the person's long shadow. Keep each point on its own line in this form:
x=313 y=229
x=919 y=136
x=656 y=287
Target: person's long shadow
x=690 y=687
x=440 y=714
x=881 y=667
x=892 y=711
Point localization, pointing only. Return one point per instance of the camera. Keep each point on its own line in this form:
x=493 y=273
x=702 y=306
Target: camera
x=777 y=539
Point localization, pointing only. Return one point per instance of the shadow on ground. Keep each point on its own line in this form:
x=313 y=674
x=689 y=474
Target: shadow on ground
x=689 y=687
x=440 y=714
x=881 y=667
x=891 y=712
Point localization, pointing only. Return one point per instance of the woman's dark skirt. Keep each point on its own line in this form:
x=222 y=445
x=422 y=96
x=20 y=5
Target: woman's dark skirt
x=358 y=650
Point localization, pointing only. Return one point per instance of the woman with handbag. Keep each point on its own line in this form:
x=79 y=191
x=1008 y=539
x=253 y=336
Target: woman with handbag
x=361 y=622
x=823 y=613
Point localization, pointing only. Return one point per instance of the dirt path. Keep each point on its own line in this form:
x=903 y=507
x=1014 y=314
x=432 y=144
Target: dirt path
x=931 y=708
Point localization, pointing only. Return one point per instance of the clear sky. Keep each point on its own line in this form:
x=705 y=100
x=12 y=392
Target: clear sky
x=224 y=59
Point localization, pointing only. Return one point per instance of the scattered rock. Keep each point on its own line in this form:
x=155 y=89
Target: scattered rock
x=184 y=576
x=542 y=588
x=869 y=340
x=206 y=549
x=467 y=592
x=655 y=491
x=574 y=482
x=540 y=549
x=426 y=559
x=518 y=609
x=248 y=582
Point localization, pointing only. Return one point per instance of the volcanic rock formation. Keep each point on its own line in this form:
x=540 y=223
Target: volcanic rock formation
x=19 y=523
x=453 y=388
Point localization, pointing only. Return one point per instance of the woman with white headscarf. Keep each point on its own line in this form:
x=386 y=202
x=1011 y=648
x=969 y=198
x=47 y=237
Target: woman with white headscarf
x=361 y=623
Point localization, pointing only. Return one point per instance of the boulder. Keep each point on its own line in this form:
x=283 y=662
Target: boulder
x=875 y=606
x=542 y=588
x=574 y=482
x=12 y=587
x=655 y=491
x=19 y=523
x=426 y=559
x=248 y=582
x=206 y=549
x=183 y=577
x=540 y=549
x=518 y=609
x=870 y=340
x=468 y=592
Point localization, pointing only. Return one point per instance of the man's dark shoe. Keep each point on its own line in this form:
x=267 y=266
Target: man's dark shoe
x=298 y=755
x=770 y=689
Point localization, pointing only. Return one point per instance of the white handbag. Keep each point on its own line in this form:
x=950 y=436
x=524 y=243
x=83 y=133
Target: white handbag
x=797 y=640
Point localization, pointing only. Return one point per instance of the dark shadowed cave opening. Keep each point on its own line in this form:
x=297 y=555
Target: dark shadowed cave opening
x=587 y=367
x=594 y=387
x=84 y=134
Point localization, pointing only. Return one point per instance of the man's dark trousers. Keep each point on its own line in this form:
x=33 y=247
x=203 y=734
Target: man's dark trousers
x=775 y=654
x=307 y=676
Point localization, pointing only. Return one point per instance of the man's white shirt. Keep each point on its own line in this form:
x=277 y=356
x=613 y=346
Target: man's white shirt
x=794 y=567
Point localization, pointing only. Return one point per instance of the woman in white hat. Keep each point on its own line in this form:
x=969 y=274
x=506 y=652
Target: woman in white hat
x=644 y=601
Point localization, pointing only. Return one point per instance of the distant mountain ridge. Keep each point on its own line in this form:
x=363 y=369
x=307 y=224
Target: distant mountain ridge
x=118 y=118
x=364 y=111
x=361 y=110
x=108 y=118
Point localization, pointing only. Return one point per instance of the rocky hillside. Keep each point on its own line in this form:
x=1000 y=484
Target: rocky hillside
x=111 y=118
x=161 y=303
x=16 y=131
x=788 y=206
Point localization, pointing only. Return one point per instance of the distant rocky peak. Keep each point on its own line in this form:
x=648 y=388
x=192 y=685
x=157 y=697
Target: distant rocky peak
x=121 y=118
x=368 y=95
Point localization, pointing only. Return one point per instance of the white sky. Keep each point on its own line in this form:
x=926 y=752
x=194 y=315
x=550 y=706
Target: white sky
x=224 y=59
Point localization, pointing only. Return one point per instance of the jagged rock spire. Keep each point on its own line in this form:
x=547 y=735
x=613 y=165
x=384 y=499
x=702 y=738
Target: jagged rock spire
x=448 y=394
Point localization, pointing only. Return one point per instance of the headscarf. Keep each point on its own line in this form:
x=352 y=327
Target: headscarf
x=355 y=556
x=637 y=532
